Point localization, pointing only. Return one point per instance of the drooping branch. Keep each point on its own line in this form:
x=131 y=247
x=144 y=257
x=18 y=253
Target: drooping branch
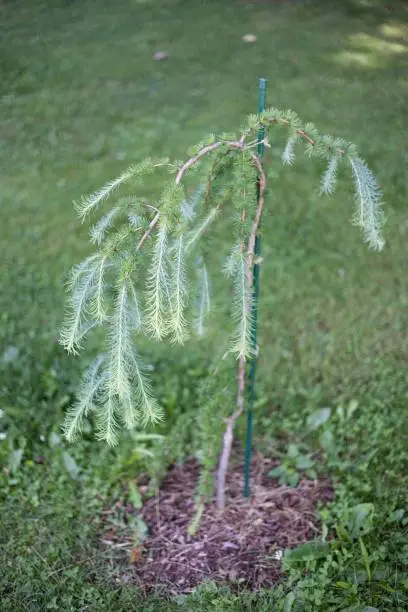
x=230 y=144
x=193 y=160
x=182 y=171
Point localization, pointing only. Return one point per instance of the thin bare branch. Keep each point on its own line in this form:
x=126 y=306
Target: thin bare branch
x=232 y=144
x=149 y=230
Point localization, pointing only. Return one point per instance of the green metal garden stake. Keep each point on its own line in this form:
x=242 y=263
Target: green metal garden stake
x=252 y=366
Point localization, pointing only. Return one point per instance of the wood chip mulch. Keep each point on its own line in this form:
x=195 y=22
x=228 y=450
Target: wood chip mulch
x=241 y=546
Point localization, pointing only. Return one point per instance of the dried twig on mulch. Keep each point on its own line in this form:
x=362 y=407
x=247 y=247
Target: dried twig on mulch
x=242 y=545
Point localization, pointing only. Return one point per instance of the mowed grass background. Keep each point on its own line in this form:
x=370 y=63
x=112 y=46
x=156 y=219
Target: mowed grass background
x=81 y=98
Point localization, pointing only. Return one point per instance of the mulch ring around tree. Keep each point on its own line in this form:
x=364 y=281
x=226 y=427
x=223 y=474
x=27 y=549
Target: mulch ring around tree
x=240 y=546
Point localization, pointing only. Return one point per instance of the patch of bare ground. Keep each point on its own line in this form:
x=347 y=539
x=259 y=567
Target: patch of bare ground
x=240 y=546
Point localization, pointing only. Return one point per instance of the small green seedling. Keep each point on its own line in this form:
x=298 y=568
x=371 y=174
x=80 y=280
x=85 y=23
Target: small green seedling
x=293 y=465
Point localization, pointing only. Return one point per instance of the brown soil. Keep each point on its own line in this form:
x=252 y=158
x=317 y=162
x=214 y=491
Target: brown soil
x=240 y=546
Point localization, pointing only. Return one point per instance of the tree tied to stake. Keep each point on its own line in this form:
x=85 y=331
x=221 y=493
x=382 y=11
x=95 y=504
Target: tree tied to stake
x=140 y=279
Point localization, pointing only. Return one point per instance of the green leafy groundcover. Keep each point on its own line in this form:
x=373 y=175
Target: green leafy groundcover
x=52 y=504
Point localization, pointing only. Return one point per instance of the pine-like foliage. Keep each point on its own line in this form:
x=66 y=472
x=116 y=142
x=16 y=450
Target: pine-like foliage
x=329 y=178
x=86 y=397
x=90 y=203
x=82 y=285
x=179 y=292
x=158 y=294
x=198 y=231
x=236 y=267
x=145 y=277
x=369 y=215
x=288 y=155
x=203 y=299
x=99 y=230
x=120 y=347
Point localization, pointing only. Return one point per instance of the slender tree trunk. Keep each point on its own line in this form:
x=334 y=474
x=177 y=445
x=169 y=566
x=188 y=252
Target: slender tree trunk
x=230 y=422
x=229 y=437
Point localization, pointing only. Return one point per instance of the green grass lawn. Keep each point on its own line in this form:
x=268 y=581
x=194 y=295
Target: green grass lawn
x=80 y=98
